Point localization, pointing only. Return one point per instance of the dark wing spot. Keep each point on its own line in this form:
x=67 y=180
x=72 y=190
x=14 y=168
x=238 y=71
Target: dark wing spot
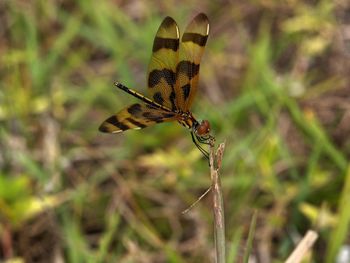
x=201 y=18
x=151 y=117
x=186 y=90
x=135 y=122
x=168 y=43
x=103 y=128
x=168 y=115
x=114 y=121
x=134 y=109
x=168 y=22
x=188 y=68
x=158 y=119
x=195 y=38
x=172 y=100
x=156 y=75
x=149 y=106
x=158 y=98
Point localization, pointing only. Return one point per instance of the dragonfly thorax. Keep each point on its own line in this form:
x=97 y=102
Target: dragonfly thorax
x=187 y=120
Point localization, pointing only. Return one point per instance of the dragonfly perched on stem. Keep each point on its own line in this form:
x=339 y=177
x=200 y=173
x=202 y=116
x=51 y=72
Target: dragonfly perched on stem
x=173 y=75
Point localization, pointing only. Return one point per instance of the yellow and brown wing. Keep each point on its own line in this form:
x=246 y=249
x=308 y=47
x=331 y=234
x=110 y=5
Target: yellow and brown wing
x=162 y=67
x=136 y=116
x=191 y=50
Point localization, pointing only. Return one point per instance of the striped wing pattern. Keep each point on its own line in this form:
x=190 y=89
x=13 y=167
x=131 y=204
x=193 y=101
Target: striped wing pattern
x=162 y=67
x=172 y=78
x=136 y=116
x=191 y=50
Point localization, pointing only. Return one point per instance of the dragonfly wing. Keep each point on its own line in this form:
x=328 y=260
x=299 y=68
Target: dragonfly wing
x=191 y=50
x=136 y=116
x=162 y=67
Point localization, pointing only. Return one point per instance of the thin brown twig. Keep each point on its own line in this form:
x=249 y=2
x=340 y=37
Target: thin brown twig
x=196 y=202
x=215 y=161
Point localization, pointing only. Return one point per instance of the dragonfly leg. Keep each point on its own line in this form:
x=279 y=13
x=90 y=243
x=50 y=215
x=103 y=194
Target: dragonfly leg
x=204 y=152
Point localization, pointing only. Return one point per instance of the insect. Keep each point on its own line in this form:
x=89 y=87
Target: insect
x=173 y=75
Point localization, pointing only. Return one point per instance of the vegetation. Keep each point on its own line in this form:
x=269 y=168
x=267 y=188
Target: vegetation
x=274 y=84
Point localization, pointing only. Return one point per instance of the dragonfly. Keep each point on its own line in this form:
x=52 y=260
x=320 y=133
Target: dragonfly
x=172 y=79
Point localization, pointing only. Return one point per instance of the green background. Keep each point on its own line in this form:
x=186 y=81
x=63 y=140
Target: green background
x=274 y=83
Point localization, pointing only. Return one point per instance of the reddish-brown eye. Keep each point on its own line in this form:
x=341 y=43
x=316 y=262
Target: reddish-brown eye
x=203 y=128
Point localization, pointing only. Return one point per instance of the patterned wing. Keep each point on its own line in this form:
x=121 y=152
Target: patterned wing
x=191 y=50
x=162 y=67
x=136 y=116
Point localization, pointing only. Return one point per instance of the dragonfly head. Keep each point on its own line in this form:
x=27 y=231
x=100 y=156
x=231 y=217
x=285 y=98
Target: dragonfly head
x=202 y=129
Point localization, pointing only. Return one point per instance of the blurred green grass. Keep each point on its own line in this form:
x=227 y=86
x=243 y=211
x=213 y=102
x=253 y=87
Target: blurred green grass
x=273 y=83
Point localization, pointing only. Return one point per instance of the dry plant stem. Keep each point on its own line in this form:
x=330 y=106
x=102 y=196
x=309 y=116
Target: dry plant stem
x=303 y=247
x=218 y=204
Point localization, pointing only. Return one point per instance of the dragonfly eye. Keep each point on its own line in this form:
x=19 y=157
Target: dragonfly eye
x=203 y=128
